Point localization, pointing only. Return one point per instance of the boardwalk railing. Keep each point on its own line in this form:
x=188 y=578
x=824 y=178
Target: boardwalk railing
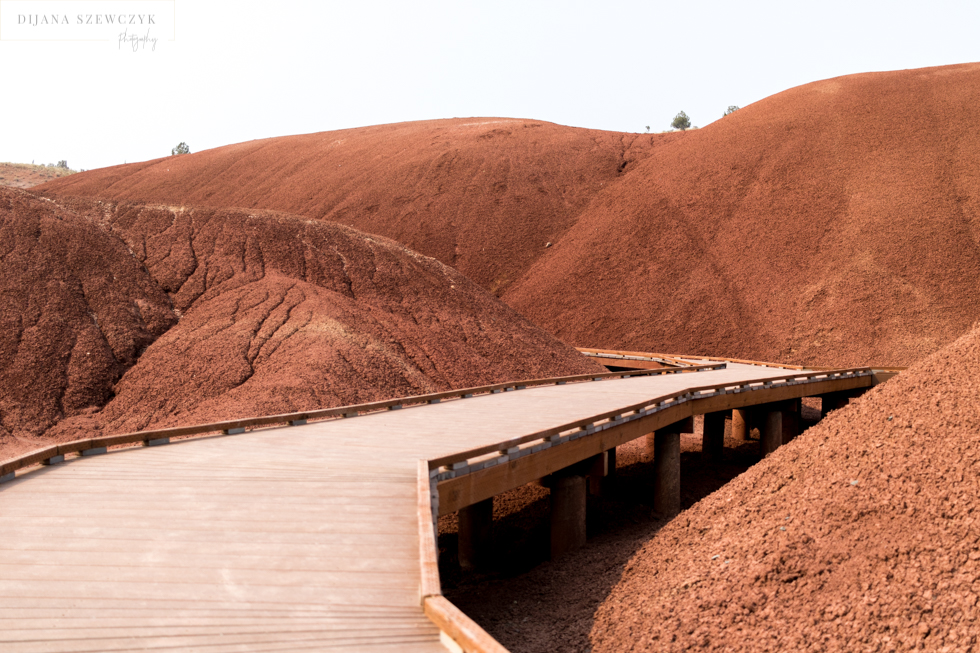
x=882 y=374
x=457 y=631
x=487 y=456
x=675 y=359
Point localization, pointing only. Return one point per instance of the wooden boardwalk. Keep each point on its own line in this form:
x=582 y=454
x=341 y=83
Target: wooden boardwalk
x=278 y=539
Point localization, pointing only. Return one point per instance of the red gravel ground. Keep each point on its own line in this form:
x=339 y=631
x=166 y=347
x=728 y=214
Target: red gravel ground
x=860 y=535
x=834 y=223
x=118 y=317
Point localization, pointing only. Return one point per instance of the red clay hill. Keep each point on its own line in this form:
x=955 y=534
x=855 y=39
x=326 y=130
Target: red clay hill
x=834 y=223
x=484 y=195
x=860 y=535
x=119 y=316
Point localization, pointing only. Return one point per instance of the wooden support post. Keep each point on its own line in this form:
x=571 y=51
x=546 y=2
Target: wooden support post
x=475 y=535
x=567 y=514
x=791 y=419
x=740 y=424
x=772 y=431
x=596 y=473
x=713 y=440
x=667 y=471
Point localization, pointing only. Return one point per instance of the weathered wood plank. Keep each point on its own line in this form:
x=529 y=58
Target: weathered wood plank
x=55 y=587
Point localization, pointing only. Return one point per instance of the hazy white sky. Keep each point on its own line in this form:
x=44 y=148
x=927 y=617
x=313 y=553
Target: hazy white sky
x=242 y=70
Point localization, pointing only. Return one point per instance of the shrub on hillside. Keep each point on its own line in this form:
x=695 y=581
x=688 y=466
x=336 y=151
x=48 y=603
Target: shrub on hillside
x=681 y=121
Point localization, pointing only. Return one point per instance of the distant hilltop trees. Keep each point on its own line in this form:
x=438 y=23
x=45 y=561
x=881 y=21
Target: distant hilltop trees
x=683 y=122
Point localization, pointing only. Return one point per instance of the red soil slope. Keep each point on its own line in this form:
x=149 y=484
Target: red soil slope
x=484 y=195
x=834 y=223
x=217 y=314
x=860 y=535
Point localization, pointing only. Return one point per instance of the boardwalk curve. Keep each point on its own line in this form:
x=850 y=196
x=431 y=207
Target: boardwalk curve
x=317 y=536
